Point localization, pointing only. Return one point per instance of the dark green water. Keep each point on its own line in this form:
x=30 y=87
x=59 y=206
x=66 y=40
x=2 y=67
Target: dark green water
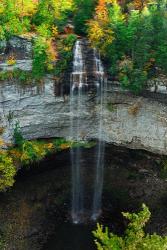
x=71 y=237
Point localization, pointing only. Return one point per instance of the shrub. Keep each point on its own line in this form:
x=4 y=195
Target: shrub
x=17 y=136
x=134 y=237
x=65 y=48
x=130 y=77
x=31 y=152
x=7 y=171
x=39 y=57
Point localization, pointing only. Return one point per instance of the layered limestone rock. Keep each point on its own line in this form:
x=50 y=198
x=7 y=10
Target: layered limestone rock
x=43 y=111
x=135 y=122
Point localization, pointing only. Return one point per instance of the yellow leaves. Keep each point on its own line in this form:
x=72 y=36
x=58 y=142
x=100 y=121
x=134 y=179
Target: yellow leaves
x=26 y=7
x=51 y=52
x=99 y=32
x=95 y=31
x=55 y=31
x=100 y=35
x=62 y=6
x=64 y=146
x=27 y=153
x=7 y=171
x=102 y=11
x=50 y=67
x=2 y=32
x=50 y=146
x=11 y=61
x=1 y=142
x=2 y=8
x=66 y=48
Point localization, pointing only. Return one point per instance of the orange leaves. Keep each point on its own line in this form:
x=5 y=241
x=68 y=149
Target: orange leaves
x=49 y=146
x=101 y=11
x=1 y=142
x=64 y=146
x=15 y=153
x=99 y=32
x=140 y=4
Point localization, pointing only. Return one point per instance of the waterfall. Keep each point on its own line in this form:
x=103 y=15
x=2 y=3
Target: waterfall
x=78 y=103
x=98 y=183
x=78 y=80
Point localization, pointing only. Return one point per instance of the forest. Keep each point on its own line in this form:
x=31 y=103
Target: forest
x=131 y=38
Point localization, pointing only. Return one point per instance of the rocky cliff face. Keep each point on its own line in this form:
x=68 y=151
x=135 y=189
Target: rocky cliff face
x=43 y=111
x=135 y=122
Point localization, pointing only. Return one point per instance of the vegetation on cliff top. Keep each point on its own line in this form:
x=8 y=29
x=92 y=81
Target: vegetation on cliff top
x=132 y=37
x=48 y=23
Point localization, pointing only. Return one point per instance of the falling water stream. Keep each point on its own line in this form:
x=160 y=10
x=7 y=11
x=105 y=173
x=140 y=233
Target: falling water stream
x=78 y=104
x=78 y=80
x=98 y=182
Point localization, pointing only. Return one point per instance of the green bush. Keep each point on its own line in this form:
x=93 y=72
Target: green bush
x=7 y=171
x=65 y=51
x=31 y=152
x=39 y=57
x=134 y=237
x=17 y=136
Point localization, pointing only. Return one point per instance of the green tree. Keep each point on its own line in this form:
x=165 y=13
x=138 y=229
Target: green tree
x=84 y=12
x=134 y=237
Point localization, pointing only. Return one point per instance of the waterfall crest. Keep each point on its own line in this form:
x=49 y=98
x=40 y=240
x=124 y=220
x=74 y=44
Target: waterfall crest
x=79 y=87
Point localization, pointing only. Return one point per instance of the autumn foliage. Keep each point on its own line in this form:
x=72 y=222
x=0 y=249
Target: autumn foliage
x=99 y=32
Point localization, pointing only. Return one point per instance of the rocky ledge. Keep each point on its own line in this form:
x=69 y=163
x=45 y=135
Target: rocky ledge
x=43 y=110
x=132 y=121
